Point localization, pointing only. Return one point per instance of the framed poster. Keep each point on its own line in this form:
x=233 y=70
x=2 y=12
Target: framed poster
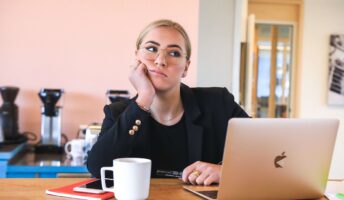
x=336 y=70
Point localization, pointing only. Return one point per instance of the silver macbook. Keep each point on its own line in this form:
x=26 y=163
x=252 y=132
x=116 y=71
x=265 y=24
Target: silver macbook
x=275 y=159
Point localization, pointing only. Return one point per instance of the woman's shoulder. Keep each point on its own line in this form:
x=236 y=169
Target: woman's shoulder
x=215 y=90
x=209 y=96
x=211 y=92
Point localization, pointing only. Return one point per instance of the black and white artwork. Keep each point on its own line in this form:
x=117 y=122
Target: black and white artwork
x=336 y=70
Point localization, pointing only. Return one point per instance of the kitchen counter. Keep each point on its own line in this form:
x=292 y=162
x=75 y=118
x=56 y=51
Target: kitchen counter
x=25 y=163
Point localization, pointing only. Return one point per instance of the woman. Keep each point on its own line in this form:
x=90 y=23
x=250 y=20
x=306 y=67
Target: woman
x=177 y=127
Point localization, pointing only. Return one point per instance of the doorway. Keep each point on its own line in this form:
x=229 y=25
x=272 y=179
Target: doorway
x=272 y=63
x=270 y=72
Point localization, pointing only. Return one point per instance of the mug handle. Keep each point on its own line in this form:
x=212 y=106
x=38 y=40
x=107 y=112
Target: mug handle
x=66 y=148
x=102 y=177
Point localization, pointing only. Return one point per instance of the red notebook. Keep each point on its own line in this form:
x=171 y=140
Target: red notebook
x=67 y=191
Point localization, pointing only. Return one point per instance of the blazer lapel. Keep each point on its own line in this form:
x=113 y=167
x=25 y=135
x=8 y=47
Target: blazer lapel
x=194 y=131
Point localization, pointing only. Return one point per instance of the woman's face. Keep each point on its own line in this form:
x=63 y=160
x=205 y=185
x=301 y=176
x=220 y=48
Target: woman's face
x=163 y=52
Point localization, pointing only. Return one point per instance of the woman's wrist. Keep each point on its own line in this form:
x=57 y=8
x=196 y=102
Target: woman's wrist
x=144 y=101
x=143 y=107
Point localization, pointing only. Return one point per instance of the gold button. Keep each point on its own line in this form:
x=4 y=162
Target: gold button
x=138 y=122
x=131 y=132
x=135 y=128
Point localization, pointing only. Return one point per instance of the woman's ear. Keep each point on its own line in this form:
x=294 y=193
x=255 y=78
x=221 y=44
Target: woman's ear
x=186 y=69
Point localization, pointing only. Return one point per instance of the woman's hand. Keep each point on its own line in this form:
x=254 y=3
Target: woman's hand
x=139 y=79
x=202 y=173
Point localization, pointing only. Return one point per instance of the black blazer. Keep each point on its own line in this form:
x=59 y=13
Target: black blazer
x=206 y=110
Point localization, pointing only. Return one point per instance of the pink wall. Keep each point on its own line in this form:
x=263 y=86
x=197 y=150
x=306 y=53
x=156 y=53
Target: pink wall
x=83 y=46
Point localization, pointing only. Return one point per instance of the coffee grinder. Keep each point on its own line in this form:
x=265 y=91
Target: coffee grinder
x=117 y=95
x=9 y=116
x=51 y=111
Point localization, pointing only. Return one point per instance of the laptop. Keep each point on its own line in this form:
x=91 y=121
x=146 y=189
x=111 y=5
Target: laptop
x=274 y=159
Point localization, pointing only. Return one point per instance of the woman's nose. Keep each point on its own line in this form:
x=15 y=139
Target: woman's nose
x=160 y=60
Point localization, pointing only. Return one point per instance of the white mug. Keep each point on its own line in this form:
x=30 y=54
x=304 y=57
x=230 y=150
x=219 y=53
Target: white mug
x=91 y=136
x=75 y=161
x=131 y=178
x=75 y=148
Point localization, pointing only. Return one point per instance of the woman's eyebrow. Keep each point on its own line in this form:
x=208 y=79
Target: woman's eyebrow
x=175 y=45
x=171 y=45
x=153 y=42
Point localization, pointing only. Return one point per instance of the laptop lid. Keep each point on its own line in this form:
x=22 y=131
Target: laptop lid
x=277 y=158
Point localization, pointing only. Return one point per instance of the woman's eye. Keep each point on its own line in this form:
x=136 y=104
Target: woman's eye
x=174 y=53
x=152 y=49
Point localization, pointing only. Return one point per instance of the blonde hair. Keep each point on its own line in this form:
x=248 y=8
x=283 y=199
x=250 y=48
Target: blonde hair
x=169 y=24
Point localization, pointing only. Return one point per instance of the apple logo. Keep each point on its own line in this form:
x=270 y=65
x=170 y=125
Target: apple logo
x=279 y=163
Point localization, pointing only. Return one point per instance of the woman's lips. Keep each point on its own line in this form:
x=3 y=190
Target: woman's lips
x=157 y=72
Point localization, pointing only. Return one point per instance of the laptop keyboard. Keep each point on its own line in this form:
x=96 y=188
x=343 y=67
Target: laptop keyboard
x=210 y=193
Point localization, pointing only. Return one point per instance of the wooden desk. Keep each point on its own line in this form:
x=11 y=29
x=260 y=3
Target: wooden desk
x=34 y=188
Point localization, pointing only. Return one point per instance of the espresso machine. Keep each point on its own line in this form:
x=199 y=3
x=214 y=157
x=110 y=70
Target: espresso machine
x=51 y=111
x=117 y=95
x=9 y=128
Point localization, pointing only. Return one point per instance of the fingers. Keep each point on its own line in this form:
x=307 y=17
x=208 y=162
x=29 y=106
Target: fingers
x=141 y=68
x=202 y=173
x=192 y=172
x=192 y=178
x=213 y=178
x=200 y=179
x=140 y=80
x=188 y=170
x=211 y=175
x=197 y=177
x=137 y=69
x=134 y=64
